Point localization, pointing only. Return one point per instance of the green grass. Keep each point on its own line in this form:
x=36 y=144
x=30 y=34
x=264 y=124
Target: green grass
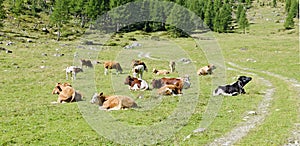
x=28 y=118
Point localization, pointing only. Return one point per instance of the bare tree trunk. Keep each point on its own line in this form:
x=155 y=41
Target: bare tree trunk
x=58 y=33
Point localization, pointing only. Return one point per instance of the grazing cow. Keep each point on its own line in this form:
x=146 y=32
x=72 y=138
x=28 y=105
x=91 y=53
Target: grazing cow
x=233 y=89
x=160 y=72
x=112 y=65
x=206 y=70
x=136 y=84
x=66 y=93
x=86 y=63
x=173 y=89
x=172 y=66
x=135 y=63
x=72 y=70
x=138 y=71
x=113 y=102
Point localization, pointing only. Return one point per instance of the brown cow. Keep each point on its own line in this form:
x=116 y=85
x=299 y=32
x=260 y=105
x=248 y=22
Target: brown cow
x=112 y=65
x=206 y=70
x=87 y=63
x=173 y=89
x=114 y=102
x=66 y=93
x=160 y=72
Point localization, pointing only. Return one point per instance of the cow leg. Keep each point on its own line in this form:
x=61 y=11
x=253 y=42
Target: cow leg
x=105 y=71
x=67 y=74
x=74 y=75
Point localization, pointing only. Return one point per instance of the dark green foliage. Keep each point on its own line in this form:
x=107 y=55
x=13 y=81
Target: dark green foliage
x=243 y=22
x=274 y=3
x=208 y=15
x=292 y=8
x=239 y=10
x=2 y=13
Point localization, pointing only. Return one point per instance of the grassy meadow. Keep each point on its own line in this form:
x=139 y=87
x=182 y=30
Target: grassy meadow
x=266 y=53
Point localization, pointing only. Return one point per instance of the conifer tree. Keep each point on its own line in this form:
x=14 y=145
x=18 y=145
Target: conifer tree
x=2 y=13
x=240 y=8
x=60 y=15
x=289 y=22
x=243 y=21
x=208 y=15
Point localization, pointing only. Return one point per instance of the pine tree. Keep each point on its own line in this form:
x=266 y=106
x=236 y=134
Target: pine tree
x=294 y=9
x=2 y=13
x=287 y=5
x=289 y=22
x=180 y=20
x=17 y=8
x=208 y=15
x=274 y=3
x=60 y=15
x=239 y=10
x=158 y=16
x=243 y=21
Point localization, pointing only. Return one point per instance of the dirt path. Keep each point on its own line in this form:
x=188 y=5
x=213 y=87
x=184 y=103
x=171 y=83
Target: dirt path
x=251 y=120
x=294 y=139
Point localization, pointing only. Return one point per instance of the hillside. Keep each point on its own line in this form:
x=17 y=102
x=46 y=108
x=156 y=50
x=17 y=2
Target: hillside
x=267 y=51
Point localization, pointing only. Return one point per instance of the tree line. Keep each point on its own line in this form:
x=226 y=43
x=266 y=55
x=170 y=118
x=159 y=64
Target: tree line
x=218 y=15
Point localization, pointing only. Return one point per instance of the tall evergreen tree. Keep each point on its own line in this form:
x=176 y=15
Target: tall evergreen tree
x=274 y=3
x=60 y=15
x=287 y=5
x=294 y=9
x=243 y=21
x=240 y=8
x=289 y=22
x=2 y=13
x=208 y=15
x=17 y=9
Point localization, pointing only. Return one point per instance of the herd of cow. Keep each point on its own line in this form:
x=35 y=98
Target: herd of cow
x=165 y=86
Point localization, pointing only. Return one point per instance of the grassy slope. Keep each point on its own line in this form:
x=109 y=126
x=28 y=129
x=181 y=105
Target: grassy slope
x=27 y=117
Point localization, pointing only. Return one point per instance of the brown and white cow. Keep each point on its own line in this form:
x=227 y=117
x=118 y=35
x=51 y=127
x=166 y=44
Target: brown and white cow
x=66 y=93
x=206 y=70
x=72 y=71
x=173 y=89
x=136 y=84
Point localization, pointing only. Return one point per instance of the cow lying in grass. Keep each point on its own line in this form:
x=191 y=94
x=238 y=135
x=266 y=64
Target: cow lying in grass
x=66 y=93
x=72 y=71
x=160 y=72
x=173 y=89
x=233 y=89
x=206 y=70
x=113 y=102
x=136 y=84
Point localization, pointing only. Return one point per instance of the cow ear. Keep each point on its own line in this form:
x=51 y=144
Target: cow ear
x=101 y=94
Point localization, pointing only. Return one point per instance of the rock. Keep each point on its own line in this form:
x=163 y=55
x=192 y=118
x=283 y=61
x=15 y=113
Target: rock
x=9 y=43
x=8 y=51
x=29 y=41
x=45 y=30
x=251 y=60
x=252 y=113
x=199 y=130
